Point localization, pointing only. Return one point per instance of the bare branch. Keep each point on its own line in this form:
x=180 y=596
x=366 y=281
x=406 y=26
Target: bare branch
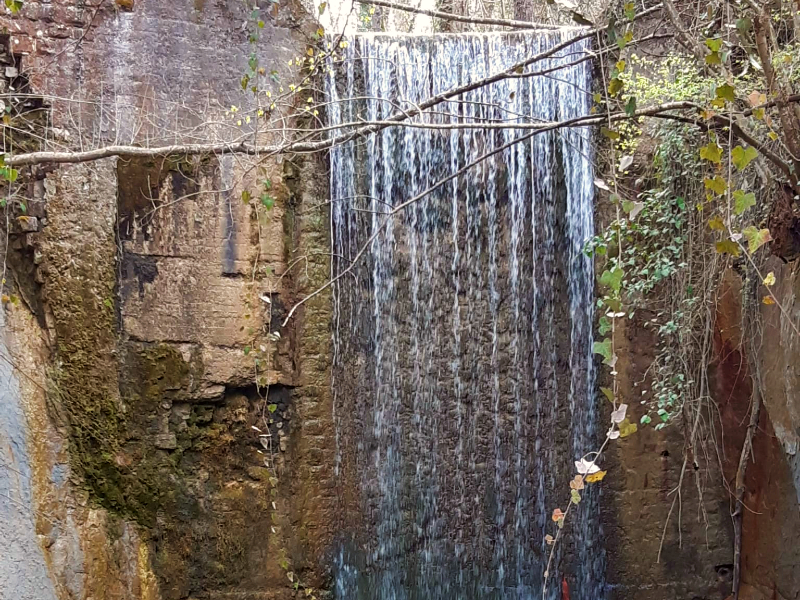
x=302 y=145
x=35 y=158
x=663 y=111
x=686 y=41
x=461 y=18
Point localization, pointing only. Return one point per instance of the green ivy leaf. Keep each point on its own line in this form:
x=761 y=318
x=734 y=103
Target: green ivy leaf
x=603 y=348
x=630 y=11
x=630 y=106
x=726 y=92
x=322 y=7
x=612 y=278
x=714 y=44
x=603 y=325
x=272 y=408
x=743 y=156
x=268 y=201
x=714 y=58
x=717 y=185
x=575 y=497
x=246 y=196
x=14 y=5
x=742 y=201
x=756 y=237
x=645 y=419
x=711 y=152
x=608 y=393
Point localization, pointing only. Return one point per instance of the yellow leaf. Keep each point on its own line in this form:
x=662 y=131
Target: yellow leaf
x=712 y=153
x=717 y=185
x=768 y=300
x=6 y=299
x=609 y=133
x=769 y=279
x=756 y=237
x=595 y=477
x=716 y=224
x=627 y=428
x=728 y=247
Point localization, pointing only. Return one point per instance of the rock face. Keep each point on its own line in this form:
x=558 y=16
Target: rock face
x=162 y=441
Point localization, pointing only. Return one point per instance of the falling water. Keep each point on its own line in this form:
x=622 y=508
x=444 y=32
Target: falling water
x=463 y=373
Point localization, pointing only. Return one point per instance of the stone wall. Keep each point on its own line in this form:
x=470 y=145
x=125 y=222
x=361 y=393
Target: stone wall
x=173 y=445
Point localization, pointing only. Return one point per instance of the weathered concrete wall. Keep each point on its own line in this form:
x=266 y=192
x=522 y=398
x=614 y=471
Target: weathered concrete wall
x=663 y=539
x=139 y=306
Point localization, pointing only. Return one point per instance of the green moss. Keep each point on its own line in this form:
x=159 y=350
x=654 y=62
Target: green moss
x=128 y=477
x=154 y=372
x=84 y=383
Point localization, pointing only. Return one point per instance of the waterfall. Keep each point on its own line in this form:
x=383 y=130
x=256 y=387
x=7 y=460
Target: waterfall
x=462 y=369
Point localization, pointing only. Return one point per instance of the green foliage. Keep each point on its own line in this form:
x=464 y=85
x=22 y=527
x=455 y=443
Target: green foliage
x=743 y=201
x=648 y=252
x=671 y=79
x=743 y=156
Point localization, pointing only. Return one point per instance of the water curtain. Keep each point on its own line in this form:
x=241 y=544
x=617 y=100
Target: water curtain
x=462 y=371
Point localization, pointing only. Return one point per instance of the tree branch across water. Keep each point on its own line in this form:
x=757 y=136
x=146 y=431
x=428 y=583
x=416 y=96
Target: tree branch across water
x=447 y=16
x=33 y=158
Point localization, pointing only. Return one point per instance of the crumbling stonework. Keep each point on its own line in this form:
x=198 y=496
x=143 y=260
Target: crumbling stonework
x=173 y=426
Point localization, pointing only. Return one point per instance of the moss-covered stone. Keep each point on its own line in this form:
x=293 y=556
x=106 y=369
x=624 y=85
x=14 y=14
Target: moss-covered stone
x=78 y=249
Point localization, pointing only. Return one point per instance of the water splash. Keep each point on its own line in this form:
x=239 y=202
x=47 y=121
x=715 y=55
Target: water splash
x=462 y=373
